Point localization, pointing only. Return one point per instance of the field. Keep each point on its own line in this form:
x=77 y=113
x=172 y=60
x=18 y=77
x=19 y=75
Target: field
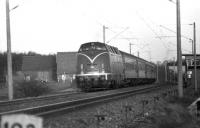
x=53 y=86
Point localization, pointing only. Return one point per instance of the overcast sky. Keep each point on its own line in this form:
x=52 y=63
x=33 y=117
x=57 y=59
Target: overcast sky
x=51 y=26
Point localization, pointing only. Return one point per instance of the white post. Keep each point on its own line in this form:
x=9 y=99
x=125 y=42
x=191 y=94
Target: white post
x=179 y=52
x=9 y=55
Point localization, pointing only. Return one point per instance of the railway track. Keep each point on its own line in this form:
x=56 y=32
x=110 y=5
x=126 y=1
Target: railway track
x=68 y=106
x=24 y=101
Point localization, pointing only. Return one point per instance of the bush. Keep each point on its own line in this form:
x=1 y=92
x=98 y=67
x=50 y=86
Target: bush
x=30 y=89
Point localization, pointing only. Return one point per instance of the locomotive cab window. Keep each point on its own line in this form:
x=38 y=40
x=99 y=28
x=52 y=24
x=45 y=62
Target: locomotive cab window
x=92 y=46
x=109 y=49
x=113 y=51
x=116 y=50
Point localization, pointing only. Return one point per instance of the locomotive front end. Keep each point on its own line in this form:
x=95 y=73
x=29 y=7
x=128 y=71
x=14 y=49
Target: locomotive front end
x=93 y=66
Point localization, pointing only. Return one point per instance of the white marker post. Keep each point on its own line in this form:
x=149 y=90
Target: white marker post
x=21 y=121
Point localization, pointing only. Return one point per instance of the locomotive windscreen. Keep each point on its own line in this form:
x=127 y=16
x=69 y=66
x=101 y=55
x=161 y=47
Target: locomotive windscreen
x=92 y=46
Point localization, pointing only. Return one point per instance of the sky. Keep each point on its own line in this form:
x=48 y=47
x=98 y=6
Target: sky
x=51 y=26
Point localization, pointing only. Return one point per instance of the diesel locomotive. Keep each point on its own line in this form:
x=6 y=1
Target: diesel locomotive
x=101 y=66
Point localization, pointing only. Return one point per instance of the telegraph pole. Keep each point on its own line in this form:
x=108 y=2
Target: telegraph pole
x=192 y=46
x=138 y=54
x=9 y=55
x=195 y=66
x=130 y=46
x=157 y=79
x=149 y=52
x=179 y=52
x=174 y=71
x=104 y=34
x=165 y=71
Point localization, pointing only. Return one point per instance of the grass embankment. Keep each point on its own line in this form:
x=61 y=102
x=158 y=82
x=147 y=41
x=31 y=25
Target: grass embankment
x=174 y=113
x=171 y=112
x=33 y=88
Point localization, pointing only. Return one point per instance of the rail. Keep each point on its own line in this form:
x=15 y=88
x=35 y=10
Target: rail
x=34 y=99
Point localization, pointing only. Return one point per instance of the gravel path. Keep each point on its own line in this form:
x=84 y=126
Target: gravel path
x=115 y=114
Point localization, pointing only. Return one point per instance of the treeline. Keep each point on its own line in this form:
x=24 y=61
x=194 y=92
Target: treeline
x=175 y=63
x=16 y=62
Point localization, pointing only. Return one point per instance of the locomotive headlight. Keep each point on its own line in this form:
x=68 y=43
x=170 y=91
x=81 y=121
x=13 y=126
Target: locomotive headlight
x=189 y=76
x=189 y=72
x=102 y=68
x=81 y=68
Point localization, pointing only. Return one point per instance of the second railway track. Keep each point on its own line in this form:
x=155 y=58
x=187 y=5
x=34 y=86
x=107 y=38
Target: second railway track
x=26 y=101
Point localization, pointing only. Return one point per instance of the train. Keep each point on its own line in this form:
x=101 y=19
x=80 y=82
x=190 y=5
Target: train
x=102 y=66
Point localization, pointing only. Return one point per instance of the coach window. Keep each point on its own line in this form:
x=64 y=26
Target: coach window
x=139 y=67
x=133 y=66
x=142 y=66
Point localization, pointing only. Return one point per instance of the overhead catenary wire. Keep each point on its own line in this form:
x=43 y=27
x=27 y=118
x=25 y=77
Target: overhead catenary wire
x=174 y=32
x=117 y=34
x=153 y=31
x=157 y=35
x=183 y=36
x=160 y=37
